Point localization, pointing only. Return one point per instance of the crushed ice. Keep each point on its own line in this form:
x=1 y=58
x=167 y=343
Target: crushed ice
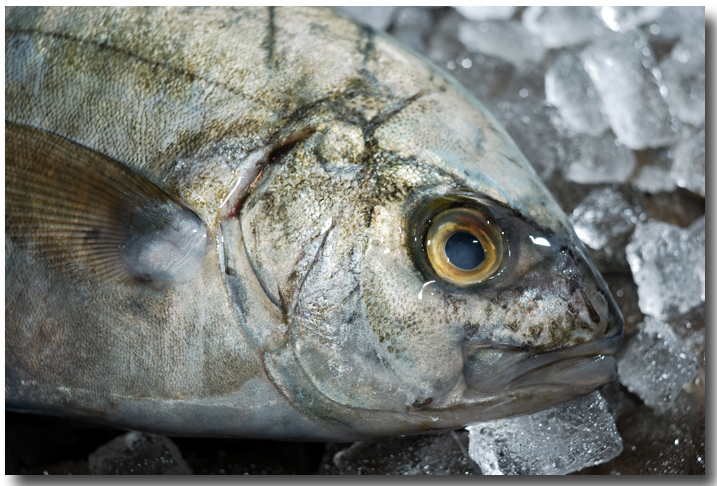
x=557 y=440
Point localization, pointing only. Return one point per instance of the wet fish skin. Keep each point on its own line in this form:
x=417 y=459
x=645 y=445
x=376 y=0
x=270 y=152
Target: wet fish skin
x=313 y=151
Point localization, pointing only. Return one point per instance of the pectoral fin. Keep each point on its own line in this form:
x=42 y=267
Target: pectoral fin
x=83 y=213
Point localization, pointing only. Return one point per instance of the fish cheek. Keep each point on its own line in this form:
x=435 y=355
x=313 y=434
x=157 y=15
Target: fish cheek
x=330 y=335
x=418 y=331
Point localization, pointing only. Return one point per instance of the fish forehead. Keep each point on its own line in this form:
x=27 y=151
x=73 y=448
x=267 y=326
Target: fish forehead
x=205 y=87
x=451 y=131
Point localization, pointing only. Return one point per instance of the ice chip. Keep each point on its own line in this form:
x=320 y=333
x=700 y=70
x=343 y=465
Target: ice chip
x=601 y=160
x=569 y=88
x=623 y=19
x=503 y=39
x=138 y=453
x=557 y=440
x=655 y=364
x=563 y=26
x=377 y=17
x=623 y=70
x=668 y=265
x=486 y=13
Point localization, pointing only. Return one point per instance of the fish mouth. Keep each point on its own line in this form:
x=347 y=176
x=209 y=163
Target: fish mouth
x=571 y=371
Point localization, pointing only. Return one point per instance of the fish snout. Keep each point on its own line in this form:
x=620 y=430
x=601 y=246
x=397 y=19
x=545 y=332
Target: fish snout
x=559 y=335
x=563 y=303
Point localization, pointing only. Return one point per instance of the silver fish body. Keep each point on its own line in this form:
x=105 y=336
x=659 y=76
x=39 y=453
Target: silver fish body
x=219 y=222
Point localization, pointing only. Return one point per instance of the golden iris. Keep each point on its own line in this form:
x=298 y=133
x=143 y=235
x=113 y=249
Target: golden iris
x=470 y=239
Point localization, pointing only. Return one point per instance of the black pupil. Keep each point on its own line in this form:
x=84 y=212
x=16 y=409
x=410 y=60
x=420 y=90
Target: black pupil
x=464 y=251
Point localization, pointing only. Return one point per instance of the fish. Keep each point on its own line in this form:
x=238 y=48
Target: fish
x=276 y=223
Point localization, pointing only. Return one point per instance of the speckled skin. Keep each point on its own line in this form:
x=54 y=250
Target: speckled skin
x=312 y=315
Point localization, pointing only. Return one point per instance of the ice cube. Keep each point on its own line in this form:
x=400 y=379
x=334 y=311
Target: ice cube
x=623 y=19
x=601 y=160
x=654 y=173
x=569 y=88
x=696 y=233
x=654 y=179
x=690 y=327
x=684 y=75
x=602 y=217
x=377 y=17
x=558 y=440
x=622 y=68
x=563 y=26
x=412 y=26
x=688 y=169
x=655 y=364
x=138 y=453
x=415 y=455
x=483 y=75
x=504 y=39
x=668 y=264
x=486 y=13
x=659 y=443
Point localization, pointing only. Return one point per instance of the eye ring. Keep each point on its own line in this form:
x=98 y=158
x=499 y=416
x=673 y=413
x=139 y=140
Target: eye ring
x=451 y=222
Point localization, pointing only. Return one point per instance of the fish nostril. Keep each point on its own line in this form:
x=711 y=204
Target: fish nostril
x=562 y=260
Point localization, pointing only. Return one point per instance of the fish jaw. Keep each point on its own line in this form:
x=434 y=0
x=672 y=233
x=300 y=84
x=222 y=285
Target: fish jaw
x=527 y=382
x=586 y=366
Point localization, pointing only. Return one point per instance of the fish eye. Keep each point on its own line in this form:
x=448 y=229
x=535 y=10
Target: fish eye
x=464 y=246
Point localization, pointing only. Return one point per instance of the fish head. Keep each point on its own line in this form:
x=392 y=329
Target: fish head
x=423 y=286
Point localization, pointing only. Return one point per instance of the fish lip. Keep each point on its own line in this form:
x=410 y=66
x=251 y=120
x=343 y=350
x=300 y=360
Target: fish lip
x=594 y=359
x=582 y=372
